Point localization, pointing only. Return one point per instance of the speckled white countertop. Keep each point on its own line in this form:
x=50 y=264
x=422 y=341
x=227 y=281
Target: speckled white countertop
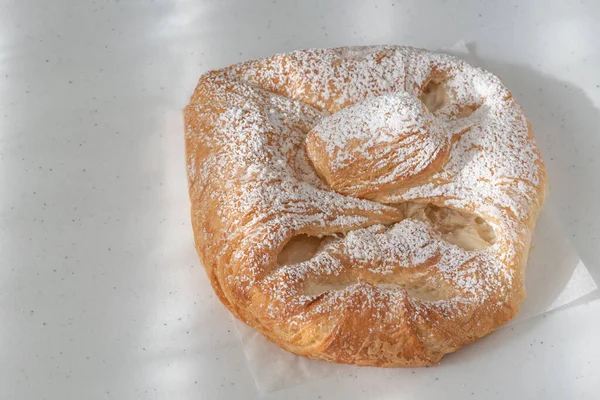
x=101 y=293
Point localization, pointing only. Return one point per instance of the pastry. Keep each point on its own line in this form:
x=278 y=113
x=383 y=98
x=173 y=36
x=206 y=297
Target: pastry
x=363 y=205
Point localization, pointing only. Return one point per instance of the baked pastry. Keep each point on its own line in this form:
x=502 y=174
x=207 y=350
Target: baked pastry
x=363 y=205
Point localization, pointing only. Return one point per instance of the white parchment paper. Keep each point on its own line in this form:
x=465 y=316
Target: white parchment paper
x=555 y=276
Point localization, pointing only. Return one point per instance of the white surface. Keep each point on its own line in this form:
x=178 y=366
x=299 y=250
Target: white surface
x=101 y=293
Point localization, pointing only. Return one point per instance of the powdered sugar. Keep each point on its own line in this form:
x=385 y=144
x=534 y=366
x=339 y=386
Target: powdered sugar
x=393 y=136
x=249 y=164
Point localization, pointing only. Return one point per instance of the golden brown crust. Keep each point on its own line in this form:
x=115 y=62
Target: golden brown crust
x=433 y=261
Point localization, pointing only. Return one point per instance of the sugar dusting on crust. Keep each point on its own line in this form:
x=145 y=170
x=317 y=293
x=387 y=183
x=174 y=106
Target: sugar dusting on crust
x=377 y=120
x=387 y=252
x=393 y=136
x=267 y=191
